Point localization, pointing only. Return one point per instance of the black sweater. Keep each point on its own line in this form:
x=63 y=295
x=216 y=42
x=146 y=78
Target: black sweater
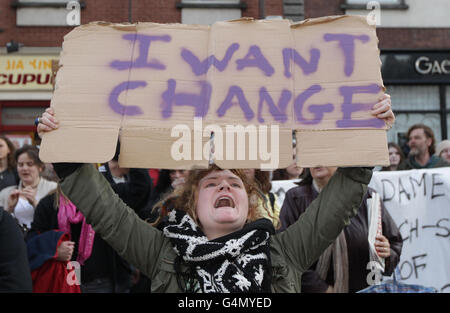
x=15 y=273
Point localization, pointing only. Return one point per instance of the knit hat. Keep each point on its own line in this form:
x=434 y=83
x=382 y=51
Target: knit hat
x=444 y=144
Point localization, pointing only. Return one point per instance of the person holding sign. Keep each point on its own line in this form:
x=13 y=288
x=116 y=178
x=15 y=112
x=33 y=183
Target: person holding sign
x=422 y=143
x=213 y=239
x=343 y=267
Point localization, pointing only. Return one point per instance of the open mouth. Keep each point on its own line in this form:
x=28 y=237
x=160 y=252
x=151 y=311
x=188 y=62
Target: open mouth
x=224 y=201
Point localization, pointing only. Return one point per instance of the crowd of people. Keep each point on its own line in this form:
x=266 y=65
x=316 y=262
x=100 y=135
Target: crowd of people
x=213 y=230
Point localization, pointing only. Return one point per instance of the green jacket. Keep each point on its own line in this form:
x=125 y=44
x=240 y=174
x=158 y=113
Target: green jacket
x=292 y=251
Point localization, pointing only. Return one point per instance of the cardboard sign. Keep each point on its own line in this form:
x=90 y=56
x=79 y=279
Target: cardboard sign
x=419 y=202
x=180 y=95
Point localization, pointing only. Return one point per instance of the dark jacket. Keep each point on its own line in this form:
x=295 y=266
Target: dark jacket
x=296 y=203
x=136 y=191
x=9 y=177
x=410 y=163
x=291 y=252
x=15 y=275
x=103 y=262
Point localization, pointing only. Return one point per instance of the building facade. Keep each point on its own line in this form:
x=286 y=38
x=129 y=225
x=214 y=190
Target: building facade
x=414 y=39
x=32 y=33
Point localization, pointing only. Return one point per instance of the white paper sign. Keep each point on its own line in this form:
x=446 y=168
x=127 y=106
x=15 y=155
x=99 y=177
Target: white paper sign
x=280 y=187
x=419 y=203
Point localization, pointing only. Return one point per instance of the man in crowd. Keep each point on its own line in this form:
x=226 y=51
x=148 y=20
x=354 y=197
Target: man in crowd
x=422 y=144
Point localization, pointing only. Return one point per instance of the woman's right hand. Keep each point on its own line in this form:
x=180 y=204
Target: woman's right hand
x=65 y=250
x=47 y=122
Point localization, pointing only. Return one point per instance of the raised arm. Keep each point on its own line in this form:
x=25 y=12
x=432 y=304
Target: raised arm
x=134 y=239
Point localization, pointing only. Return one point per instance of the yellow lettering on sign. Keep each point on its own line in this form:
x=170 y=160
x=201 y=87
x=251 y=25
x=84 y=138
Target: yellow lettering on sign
x=19 y=65
x=14 y=65
x=47 y=64
x=33 y=63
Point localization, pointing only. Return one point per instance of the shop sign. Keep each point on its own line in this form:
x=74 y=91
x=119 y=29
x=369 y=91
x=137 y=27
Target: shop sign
x=26 y=72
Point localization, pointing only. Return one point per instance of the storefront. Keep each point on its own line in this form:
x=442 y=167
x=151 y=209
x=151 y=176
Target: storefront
x=419 y=84
x=25 y=92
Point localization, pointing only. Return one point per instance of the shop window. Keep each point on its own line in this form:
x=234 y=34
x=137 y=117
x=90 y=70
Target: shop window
x=384 y=4
x=414 y=97
x=403 y=121
x=48 y=12
x=447 y=97
x=20 y=116
x=448 y=123
x=209 y=12
x=294 y=10
x=414 y=104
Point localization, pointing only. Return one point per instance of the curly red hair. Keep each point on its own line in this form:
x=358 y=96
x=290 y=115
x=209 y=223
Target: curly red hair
x=185 y=196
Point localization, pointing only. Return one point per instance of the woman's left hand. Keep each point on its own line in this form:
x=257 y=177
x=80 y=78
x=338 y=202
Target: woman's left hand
x=383 y=110
x=382 y=246
x=29 y=194
x=13 y=198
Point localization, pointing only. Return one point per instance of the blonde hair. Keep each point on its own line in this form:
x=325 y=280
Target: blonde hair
x=444 y=144
x=185 y=196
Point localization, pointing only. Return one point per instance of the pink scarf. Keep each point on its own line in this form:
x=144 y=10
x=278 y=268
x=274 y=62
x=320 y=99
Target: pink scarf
x=68 y=214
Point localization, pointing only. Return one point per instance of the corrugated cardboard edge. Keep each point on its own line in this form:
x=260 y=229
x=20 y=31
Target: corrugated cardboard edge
x=283 y=159
x=49 y=153
x=134 y=138
x=325 y=19
x=327 y=142
x=133 y=27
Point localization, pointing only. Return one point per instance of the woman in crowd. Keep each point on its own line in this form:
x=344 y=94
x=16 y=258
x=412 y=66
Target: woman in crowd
x=168 y=180
x=101 y=269
x=21 y=200
x=8 y=171
x=291 y=172
x=396 y=156
x=215 y=240
x=331 y=273
x=443 y=150
x=269 y=209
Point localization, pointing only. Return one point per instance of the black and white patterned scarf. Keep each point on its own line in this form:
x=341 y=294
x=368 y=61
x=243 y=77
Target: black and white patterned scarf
x=238 y=262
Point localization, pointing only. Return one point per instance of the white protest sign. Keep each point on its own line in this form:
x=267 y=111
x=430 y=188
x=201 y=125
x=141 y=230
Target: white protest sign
x=419 y=203
x=280 y=187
